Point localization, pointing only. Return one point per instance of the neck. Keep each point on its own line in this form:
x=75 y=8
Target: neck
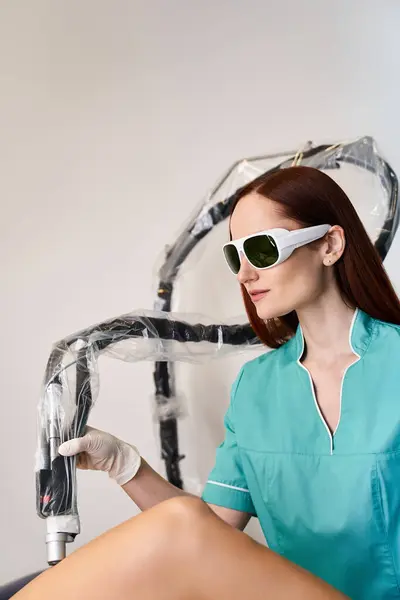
x=326 y=325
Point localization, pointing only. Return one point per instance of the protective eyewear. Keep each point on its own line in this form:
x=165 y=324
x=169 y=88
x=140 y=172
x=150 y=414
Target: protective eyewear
x=269 y=248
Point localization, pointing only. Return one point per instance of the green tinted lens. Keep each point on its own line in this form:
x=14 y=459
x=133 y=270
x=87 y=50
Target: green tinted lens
x=232 y=257
x=261 y=251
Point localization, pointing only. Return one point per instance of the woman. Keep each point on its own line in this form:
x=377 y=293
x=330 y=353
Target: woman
x=312 y=430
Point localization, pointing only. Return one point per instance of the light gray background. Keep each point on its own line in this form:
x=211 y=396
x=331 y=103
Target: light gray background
x=115 y=119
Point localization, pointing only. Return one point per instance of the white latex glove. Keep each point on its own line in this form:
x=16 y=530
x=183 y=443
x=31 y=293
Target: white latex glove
x=101 y=451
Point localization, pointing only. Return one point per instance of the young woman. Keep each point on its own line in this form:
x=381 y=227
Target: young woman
x=312 y=444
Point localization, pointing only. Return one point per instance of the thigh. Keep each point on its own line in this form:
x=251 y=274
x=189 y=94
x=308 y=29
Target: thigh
x=178 y=550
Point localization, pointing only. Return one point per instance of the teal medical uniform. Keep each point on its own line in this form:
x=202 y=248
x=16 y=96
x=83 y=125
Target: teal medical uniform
x=329 y=503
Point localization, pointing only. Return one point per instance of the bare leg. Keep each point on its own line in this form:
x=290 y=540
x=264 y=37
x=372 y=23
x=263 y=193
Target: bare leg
x=178 y=550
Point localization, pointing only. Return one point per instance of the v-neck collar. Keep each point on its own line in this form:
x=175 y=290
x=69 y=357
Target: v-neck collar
x=360 y=335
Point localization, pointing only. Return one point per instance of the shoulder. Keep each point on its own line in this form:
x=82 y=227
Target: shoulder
x=386 y=336
x=389 y=328
x=263 y=361
x=258 y=379
x=271 y=358
x=265 y=366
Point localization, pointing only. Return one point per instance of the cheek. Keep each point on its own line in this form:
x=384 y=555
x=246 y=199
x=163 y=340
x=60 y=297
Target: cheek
x=292 y=284
x=301 y=273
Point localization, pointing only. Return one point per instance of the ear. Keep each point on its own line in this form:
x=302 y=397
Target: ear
x=335 y=243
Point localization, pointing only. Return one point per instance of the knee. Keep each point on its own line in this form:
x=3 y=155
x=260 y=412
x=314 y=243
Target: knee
x=174 y=533
x=187 y=519
x=188 y=511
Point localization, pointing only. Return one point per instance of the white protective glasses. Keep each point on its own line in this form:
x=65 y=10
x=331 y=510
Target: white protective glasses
x=269 y=248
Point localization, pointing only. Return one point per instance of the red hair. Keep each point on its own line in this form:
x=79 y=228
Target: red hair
x=311 y=197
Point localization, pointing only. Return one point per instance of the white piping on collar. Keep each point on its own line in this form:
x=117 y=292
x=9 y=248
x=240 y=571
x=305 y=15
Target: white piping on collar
x=330 y=434
x=353 y=363
x=353 y=321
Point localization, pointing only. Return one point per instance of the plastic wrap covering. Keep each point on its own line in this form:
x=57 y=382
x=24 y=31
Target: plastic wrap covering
x=70 y=384
x=70 y=388
x=355 y=164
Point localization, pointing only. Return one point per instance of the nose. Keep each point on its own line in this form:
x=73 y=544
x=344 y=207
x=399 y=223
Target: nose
x=246 y=272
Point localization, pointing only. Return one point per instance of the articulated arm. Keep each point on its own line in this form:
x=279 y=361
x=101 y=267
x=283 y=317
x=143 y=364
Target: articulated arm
x=71 y=385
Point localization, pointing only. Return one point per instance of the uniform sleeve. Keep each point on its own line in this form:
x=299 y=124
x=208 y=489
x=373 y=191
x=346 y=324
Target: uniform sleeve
x=226 y=485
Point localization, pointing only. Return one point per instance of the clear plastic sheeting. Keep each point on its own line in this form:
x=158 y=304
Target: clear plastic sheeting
x=357 y=166
x=71 y=386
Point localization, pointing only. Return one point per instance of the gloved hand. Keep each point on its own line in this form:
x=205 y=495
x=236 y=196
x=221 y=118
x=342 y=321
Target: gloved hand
x=101 y=451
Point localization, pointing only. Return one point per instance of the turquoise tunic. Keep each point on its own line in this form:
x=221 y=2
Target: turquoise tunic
x=330 y=503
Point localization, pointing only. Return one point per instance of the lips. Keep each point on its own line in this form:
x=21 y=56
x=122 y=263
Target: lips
x=258 y=294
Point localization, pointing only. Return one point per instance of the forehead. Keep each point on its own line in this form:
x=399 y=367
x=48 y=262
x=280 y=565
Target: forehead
x=254 y=213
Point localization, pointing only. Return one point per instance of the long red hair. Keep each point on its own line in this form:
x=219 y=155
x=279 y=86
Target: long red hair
x=313 y=198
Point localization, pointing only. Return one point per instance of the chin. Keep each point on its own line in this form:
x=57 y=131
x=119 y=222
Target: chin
x=269 y=311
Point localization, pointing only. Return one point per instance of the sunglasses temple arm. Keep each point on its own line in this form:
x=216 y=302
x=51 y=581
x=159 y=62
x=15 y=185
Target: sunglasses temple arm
x=298 y=238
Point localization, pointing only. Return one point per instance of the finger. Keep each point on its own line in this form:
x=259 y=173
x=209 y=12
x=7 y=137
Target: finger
x=74 y=446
